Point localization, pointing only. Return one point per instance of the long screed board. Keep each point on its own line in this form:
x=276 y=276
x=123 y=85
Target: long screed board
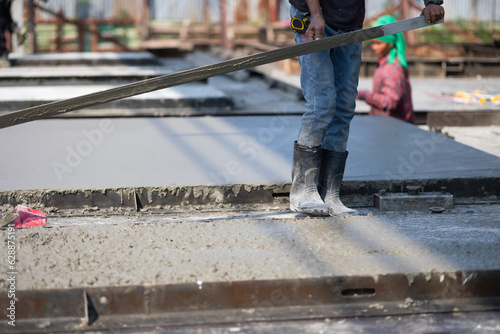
x=203 y=72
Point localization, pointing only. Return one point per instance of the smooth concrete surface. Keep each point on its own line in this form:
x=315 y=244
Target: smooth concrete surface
x=484 y=138
x=136 y=152
x=92 y=58
x=80 y=72
x=15 y=98
x=91 y=72
x=63 y=92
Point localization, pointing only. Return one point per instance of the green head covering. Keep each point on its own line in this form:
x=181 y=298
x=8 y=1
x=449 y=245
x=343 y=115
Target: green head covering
x=397 y=40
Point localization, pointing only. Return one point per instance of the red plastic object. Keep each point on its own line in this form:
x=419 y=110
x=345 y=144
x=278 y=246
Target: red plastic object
x=28 y=217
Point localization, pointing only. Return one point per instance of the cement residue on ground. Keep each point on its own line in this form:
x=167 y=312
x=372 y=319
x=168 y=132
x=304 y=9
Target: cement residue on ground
x=154 y=249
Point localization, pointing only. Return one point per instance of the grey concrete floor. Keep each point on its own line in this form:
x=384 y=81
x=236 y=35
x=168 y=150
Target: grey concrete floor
x=88 y=58
x=183 y=99
x=195 y=246
x=49 y=93
x=70 y=73
x=129 y=152
x=484 y=138
x=141 y=152
x=204 y=151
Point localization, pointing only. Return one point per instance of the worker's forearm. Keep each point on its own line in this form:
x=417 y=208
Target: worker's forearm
x=314 y=8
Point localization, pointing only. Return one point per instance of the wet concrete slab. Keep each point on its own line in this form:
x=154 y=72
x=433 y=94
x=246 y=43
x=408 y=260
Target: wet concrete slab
x=197 y=247
x=87 y=58
x=191 y=247
x=197 y=96
x=147 y=271
x=71 y=73
x=47 y=74
x=484 y=138
x=142 y=152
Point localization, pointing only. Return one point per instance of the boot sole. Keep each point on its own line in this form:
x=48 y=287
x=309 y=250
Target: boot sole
x=314 y=212
x=343 y=214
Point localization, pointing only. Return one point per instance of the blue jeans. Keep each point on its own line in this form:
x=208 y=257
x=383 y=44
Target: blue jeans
x=329 y=81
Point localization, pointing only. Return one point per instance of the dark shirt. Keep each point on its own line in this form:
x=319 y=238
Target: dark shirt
x=346 y=15
x=5 y=18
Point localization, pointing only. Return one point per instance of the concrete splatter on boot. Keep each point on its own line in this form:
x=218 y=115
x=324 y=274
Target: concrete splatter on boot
x=332 y=173
x=304 y=196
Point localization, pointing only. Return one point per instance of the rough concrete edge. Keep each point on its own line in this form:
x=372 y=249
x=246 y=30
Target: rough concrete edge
x=458 y=187
x=354 y=193
x=172 y=196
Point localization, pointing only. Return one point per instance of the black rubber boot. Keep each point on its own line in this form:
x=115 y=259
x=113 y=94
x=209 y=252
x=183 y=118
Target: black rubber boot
x=304 y=196
x=332 y=173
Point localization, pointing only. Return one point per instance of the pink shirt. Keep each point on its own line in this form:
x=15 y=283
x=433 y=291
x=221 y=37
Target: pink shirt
x=391 y=93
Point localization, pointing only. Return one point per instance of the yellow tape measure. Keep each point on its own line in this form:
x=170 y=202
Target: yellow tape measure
x=299 y=23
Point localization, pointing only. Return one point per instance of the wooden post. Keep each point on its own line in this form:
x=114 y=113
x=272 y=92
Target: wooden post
x=59 y=31
x=241 y=12
x=146 y=17
x=81 y=26
x=275 y=8
x=410 y=36
x=206 y=18
x=94 y=37
x=223 y=23
x=264 y=14
x=273 y=17
x=206 y=11
x=81 y=35
x=31 y=27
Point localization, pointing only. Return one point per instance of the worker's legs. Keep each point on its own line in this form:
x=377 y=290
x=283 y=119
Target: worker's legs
x=317 y=81
x=317 y=87
x=346 y=61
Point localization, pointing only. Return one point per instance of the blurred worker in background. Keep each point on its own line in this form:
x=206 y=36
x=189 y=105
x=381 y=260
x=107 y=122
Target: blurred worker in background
x=6 y=24
x=329 y=81
x=391 y=93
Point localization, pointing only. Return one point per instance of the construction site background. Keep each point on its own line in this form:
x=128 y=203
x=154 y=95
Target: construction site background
x=466 y=44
